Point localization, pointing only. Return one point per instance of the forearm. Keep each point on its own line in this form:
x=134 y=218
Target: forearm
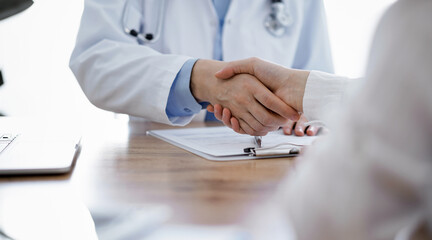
x=138 y=85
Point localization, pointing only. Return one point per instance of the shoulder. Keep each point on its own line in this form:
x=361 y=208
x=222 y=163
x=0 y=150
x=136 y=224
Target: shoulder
x=405 y=13
x=407 y=22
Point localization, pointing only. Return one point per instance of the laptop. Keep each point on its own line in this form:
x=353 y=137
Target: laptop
x=37 y=152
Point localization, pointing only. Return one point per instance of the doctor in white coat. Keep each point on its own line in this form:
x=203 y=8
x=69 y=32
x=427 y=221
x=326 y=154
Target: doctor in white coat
x=162 y=80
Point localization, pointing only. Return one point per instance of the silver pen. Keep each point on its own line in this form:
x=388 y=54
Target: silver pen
x=258 y=141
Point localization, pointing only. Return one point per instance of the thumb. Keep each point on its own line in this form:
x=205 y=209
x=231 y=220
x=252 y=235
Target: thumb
x=236 y=67
x=226 y=72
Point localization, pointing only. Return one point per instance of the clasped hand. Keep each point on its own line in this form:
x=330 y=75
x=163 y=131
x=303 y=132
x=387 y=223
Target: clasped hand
x=252 y=96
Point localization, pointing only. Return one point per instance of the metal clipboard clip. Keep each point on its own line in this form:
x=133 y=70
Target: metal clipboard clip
x=279 y=150
x=283 y=149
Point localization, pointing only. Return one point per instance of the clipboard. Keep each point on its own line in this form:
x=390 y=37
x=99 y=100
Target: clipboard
x=223 y=144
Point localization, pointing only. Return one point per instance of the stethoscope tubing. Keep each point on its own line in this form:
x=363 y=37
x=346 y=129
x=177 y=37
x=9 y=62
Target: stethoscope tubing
x=147 y=37
x=274 y=22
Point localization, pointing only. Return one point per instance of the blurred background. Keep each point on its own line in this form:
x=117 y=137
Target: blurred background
x=35 y=47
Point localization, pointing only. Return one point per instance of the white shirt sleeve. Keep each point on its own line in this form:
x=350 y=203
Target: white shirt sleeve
x=323 y=93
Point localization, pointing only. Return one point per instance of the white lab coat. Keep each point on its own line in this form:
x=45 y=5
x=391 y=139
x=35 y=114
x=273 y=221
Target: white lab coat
x=118 y=74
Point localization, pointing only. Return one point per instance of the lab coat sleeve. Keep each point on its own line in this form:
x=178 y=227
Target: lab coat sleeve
x=118 y=74
x=313 y=51
x=372 y=176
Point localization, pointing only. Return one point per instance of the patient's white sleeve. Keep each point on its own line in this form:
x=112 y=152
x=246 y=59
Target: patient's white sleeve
x=324 y=92
x=371 y=176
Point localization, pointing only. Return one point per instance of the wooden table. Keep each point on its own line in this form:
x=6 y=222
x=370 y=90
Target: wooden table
x=120 y=164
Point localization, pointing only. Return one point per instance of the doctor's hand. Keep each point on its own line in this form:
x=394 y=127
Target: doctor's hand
x=256 y=109
x=288 y=84
x=299 y=129
x=291 y=127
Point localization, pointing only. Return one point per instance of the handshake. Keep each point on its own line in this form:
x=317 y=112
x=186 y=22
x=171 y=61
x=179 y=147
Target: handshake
x=252 y=96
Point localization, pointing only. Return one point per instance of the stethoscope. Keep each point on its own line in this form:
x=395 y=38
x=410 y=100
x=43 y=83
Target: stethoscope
x=276 y=23
x=279 y=19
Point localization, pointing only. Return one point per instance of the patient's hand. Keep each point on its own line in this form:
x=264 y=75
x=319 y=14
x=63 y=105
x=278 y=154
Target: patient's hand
x=288 y=84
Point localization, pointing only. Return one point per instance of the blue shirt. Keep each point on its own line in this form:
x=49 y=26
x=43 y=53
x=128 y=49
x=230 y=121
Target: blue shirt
x=181 y=102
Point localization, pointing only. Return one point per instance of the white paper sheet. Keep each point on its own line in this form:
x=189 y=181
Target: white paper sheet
x=222 y=143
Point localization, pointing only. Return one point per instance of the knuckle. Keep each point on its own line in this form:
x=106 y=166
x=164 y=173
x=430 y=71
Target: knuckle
x=281 y=121
x=245 y=84
x=268 y=101
x=272 y=120
x=238 y=98
x=274 y=128
x=269 y=120
x=243 y=100
x=253 y=60
x=253 y=130
x=249 y=131
x=259 y=129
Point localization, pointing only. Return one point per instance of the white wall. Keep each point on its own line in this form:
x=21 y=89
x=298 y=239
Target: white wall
x=35 y=47
x=34 y=53
x=351 y=27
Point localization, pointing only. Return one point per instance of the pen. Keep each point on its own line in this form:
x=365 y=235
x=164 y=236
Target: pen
x=258 y=140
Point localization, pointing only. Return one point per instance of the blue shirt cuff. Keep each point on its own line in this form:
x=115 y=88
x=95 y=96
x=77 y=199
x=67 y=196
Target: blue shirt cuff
x=181 y=102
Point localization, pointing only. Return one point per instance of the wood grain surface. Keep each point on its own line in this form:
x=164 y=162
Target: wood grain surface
x=120 y=165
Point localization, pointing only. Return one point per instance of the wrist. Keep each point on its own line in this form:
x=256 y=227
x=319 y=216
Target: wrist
x=293 y=88
x=301 y=77
x=203 y=79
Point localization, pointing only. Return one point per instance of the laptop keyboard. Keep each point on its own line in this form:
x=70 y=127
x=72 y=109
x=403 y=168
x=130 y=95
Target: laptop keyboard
x=5 y=140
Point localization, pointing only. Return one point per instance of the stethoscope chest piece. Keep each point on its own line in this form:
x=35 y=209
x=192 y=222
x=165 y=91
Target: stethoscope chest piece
x=145 y=37
x=278 y=21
